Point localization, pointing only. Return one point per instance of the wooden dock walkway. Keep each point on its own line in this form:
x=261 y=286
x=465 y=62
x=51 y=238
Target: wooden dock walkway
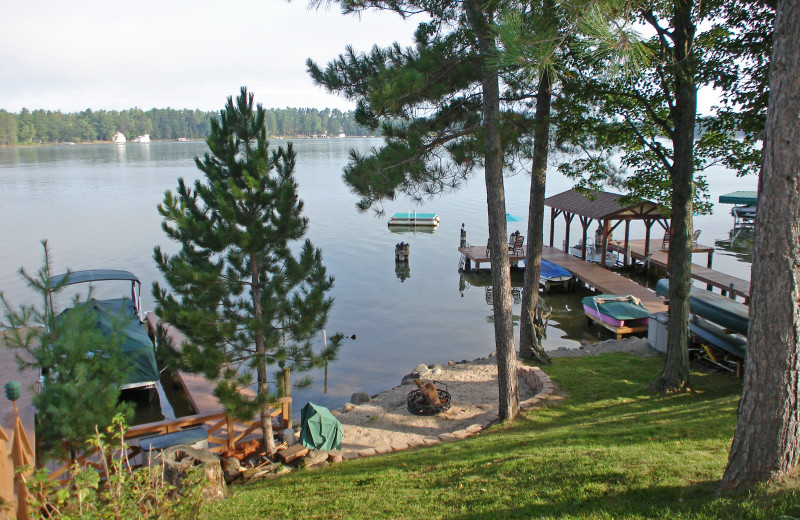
x=729 y=285
x=603 y=280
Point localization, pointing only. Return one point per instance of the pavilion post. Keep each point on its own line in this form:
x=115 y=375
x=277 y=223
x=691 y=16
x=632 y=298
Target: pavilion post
x=627 y=247
x=552 y=225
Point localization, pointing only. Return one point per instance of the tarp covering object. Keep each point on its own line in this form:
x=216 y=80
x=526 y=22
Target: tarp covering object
x=319 y=429
x=713 y=307
x=136 y=345
x=618 y=307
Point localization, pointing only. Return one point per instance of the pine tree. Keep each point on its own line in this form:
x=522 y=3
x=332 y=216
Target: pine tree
x=81 y=366
x=236 y=288
x=440 y=98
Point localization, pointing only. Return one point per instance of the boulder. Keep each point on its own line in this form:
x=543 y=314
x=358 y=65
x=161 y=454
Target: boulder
x=178 y=460
x=360 y=398
x=289 y=436
x=348 y=407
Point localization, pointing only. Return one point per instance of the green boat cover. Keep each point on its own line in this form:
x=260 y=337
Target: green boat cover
x=740 y=197
x=319 y=429
x=136 y=346
x=618 y=307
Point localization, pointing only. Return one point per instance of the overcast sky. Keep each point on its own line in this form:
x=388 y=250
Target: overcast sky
x=70 y=56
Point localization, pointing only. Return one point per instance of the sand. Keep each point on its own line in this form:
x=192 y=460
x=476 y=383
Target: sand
x=385 y=423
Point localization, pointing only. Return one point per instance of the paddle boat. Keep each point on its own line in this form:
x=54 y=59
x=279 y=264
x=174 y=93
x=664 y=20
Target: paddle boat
x=137 y=346
x=619 y=314
x=414 y=219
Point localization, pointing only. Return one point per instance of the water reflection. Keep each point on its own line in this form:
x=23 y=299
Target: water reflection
x=739 y=244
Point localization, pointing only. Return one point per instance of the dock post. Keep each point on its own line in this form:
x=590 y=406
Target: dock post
x=463 y=242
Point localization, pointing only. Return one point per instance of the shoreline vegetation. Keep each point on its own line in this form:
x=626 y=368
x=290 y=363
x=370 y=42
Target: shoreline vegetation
x=176 y=140
x=55 y=127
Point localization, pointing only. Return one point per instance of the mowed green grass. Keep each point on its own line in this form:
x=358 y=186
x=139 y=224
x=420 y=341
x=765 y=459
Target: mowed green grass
x=609 y=450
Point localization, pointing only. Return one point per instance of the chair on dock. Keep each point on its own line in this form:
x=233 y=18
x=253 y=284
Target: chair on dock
x=515 y=246
x=667 y=235
x=695 y=236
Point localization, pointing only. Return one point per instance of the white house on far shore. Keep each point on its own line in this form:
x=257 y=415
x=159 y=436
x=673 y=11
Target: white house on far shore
x=119 y=137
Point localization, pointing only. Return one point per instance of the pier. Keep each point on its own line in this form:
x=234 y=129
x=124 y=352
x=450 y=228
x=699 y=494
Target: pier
x=653 y=254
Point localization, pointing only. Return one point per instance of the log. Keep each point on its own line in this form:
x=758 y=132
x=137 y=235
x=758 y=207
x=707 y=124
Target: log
x=292 y=452
x=179 y=459
x=432 y=394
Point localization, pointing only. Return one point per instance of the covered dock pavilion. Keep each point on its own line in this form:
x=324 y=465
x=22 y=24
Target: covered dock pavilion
x=609 y=211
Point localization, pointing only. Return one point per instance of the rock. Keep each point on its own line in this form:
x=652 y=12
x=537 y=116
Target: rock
x=179 y=459
x=421 y=368
x=451 y=363
x=230 y=469
x=435 y=372
x=288 y=436
x=348 y=407
x=360 y=398
x=335 y=456
x=315 y=457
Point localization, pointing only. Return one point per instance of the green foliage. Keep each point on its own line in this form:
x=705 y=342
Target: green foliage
x=81 y=367
x=46 y=126
x=125 y=494
x=426 y=100
x=240 y=290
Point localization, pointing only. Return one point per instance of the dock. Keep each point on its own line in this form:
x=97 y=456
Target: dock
x=730 y=286
x=603 y=280
x=592 y=275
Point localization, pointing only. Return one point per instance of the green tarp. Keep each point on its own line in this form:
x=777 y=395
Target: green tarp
x=136 y=345
x=319 y=429
x=618 y=307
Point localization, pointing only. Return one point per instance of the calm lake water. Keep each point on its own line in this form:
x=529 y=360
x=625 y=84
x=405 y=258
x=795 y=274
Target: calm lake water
x=96 y=205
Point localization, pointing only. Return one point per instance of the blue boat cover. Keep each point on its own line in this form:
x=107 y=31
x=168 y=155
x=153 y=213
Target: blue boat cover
x=618 y=307
x=551 y=270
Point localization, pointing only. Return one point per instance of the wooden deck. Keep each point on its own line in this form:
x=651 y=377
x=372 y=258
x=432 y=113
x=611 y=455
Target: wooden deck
x=729 y=285
x=479 y=255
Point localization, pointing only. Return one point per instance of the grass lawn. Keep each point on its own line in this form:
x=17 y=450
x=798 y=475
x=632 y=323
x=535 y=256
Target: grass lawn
x=609 y=450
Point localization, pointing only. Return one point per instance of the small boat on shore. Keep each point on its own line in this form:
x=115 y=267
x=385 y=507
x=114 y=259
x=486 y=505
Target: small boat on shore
x=414 y=219
x=619 y=314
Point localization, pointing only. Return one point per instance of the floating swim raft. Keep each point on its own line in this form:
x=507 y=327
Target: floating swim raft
x=414 y=219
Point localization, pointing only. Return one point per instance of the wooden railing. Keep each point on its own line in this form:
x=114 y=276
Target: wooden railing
x=224 y=433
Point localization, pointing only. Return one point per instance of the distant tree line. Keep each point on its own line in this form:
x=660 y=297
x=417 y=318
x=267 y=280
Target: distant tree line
x=46 y=126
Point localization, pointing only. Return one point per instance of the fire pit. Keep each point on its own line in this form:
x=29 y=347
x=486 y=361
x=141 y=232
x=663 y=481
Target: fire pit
x=423 y=402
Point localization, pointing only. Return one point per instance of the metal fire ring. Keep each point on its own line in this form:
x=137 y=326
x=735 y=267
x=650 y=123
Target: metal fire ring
x=418 y=405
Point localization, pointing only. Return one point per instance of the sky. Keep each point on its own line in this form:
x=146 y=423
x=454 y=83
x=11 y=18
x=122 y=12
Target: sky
x=193 y=54
x=70 y=56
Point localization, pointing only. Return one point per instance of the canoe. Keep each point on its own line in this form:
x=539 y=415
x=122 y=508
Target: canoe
x=716 y=308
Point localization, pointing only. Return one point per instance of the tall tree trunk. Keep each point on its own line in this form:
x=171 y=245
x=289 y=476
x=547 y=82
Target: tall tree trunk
x=676 y=366
x=495 y=199
x=267 y=436
x=767 y=440
x=530 y=346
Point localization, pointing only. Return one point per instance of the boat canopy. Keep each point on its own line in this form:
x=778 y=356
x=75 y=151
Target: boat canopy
x=749 y=198
x=94 y=275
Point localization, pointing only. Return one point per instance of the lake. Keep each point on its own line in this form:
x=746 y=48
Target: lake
x=96 y=206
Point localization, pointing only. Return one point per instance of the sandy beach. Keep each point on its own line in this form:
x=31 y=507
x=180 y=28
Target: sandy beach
x=384 y=424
